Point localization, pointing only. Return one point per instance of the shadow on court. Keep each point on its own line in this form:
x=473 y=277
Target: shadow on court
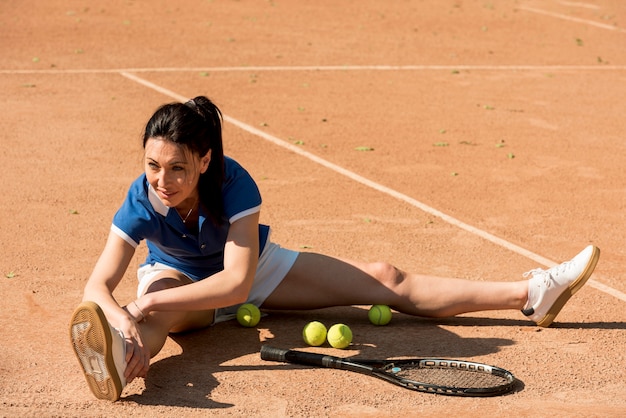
x=188 y=379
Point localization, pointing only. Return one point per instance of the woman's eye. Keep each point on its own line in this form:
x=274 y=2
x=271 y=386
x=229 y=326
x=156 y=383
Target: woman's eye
x=153 y=166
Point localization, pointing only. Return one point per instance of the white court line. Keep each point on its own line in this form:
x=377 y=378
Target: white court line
x=327 y=68
x=578 y=4
x=572 y=19
x=383 y=189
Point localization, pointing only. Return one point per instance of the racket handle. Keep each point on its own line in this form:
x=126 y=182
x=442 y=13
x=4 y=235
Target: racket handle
x=312 y=359
x=298 y=357
x=273 y=354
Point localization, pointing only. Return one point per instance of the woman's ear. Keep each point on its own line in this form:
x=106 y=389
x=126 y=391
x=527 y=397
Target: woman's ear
x=204 y=162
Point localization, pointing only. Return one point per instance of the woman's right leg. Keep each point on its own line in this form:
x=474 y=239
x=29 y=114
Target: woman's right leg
x=158 y=325
x=102 y=349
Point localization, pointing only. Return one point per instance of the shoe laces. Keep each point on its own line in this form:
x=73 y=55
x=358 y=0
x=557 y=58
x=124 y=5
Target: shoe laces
x=547 y=276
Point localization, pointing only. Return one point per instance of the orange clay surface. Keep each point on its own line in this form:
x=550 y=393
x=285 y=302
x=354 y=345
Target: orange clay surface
x=507 y=116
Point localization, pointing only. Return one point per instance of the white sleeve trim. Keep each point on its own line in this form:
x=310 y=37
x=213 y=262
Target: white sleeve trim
x=123 y=235
x=245 y=213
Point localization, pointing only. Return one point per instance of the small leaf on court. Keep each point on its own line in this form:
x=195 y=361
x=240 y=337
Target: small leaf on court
x=440 y=144
x=364 y=149
x=10 y=275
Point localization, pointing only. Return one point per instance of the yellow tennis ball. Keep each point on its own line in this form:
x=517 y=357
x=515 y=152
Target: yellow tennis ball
x=379 y=314
x=339 y=336
x=248 y=315
x=314 y=333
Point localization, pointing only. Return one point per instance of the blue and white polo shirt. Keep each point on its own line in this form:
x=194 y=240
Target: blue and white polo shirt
x=144 y=216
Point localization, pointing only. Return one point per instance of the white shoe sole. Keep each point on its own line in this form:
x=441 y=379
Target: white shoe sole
x=91 y=339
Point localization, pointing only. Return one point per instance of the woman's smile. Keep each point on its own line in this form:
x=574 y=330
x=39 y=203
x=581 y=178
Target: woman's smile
x=165 y=194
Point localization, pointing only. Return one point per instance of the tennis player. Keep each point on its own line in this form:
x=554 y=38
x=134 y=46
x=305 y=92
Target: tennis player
x=198 y=212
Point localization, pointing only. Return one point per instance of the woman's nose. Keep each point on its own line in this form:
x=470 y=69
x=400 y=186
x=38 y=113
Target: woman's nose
x=162 y=179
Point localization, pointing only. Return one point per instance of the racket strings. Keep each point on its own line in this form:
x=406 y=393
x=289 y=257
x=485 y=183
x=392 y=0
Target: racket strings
x=449 y=377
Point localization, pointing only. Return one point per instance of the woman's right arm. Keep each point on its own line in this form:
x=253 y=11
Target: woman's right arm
x=107 y=274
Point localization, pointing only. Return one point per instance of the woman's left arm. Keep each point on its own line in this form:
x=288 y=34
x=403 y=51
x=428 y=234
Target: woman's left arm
x=241 y=256
x=230 y=286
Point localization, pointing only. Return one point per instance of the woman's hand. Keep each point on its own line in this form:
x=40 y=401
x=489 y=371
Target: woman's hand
x=137 y=353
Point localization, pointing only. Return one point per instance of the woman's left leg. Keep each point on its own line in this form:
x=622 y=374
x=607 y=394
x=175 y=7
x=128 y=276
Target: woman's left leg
x=318 y=281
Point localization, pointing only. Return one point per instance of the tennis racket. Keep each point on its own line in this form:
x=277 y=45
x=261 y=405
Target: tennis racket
x=444 y=377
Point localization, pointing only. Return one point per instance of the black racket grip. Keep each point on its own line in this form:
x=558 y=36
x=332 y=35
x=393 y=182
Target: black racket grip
x=299 y=357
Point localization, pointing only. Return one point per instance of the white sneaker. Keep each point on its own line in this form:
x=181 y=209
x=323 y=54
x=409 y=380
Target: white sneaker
x=549 y=290
x=100 y=349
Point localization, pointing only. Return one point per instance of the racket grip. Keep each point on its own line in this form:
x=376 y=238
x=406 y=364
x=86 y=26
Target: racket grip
x=298 y=357
x=273 y=354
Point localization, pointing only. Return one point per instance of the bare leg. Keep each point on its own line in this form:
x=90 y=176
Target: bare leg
x=158 y=325
x=317 y=281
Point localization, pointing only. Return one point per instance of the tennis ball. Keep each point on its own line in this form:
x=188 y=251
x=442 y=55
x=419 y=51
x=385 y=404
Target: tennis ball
x=379 y=314
x=248 y=315
x=314 y=333
x=339 y=336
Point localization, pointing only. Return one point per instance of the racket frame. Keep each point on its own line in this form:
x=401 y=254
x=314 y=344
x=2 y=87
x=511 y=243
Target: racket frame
x=380 y=369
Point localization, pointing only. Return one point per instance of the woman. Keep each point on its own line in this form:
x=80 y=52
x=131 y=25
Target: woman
x=199 y=214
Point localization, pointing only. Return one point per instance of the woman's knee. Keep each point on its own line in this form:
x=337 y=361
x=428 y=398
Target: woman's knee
x=166 y=280
x=386 y=273
x=183 y=321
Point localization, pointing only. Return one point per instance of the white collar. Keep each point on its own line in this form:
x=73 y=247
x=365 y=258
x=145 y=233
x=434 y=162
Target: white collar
x=156 y=203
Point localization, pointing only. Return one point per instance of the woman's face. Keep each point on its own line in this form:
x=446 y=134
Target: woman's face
x=173 y=171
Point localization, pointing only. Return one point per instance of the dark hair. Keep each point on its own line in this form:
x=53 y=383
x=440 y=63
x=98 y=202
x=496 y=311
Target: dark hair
x=196 y=125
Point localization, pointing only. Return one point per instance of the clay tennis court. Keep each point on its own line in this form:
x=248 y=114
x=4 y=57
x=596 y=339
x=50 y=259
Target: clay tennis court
x=475 y=139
